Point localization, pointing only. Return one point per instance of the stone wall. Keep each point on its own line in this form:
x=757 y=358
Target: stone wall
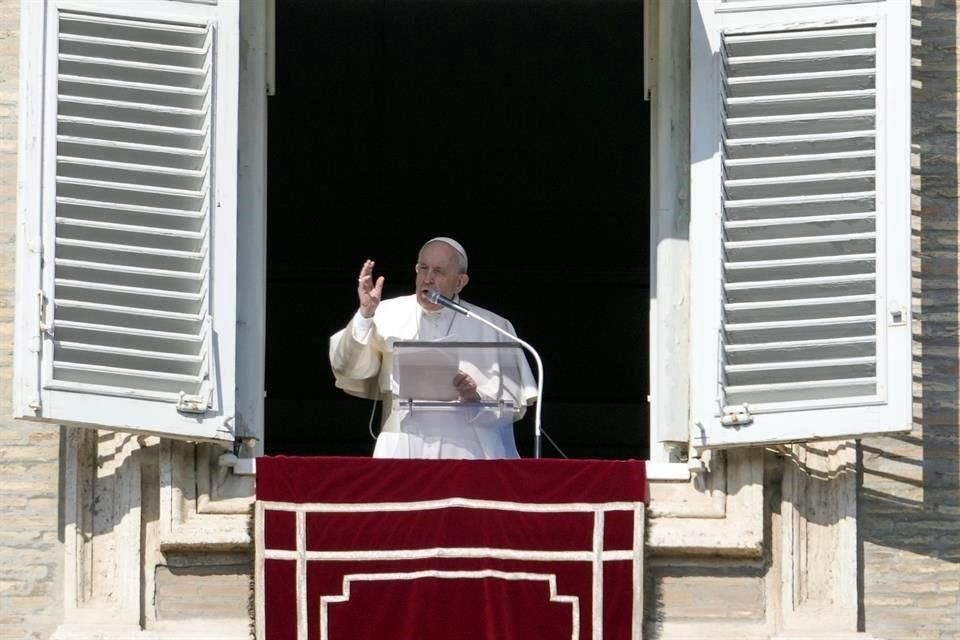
x=31 y=555
x=910 y=493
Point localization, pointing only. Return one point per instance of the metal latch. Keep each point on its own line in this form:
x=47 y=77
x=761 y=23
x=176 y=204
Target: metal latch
x=898 y=315
x=42 y=325
x=737 y=415
x=198 y=403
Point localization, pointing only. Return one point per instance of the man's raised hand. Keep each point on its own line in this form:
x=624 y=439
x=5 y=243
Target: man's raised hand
x=368 y=292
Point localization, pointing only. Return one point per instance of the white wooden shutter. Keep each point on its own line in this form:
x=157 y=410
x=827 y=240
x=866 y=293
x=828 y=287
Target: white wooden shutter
x=800 y=220
x=126 y=299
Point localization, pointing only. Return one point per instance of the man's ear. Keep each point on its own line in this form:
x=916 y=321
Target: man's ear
x=462 y=281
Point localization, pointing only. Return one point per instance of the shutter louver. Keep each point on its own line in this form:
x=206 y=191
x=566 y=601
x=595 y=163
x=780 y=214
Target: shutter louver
x=131 y=269
x=799 y=218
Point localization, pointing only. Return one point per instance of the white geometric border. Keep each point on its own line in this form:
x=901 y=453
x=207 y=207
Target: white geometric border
x=447 y=503
x=596 y=555
x=550 y=579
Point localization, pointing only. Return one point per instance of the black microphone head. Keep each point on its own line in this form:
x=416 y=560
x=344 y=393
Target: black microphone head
x=435 y=297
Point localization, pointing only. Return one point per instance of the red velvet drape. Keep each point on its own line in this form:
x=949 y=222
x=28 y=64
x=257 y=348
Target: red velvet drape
x=432 y=549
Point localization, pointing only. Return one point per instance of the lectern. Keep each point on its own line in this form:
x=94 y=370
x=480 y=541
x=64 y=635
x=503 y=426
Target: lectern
x=423 y=389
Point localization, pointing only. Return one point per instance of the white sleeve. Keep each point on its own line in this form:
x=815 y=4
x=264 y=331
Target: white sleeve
x=353 y=351
x=361 y=328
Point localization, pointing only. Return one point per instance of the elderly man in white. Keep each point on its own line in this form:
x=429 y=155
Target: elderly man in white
x=361 y=356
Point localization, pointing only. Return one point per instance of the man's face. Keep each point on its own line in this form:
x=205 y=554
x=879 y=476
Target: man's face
x=438 y=268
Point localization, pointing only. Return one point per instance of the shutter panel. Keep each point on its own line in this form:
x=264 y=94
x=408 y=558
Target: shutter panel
x=811 y=239
x=139 y=166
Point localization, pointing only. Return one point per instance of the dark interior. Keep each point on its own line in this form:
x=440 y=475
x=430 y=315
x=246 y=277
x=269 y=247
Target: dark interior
x=517 y=127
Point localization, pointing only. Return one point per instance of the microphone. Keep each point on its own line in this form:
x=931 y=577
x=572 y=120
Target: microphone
x=435 y=297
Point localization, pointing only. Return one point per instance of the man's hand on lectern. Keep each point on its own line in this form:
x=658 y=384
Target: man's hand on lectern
x=466 y=387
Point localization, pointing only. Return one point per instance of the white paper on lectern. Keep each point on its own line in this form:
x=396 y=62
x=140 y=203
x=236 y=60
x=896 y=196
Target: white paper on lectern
x=426 y=374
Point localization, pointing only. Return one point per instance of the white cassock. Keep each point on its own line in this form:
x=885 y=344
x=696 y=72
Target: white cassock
x=361 y=356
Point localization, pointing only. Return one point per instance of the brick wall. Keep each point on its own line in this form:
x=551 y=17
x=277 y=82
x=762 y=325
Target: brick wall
x=910 y=500
x=30 y=553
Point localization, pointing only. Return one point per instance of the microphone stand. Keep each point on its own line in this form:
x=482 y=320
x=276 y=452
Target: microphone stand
x=437 y=298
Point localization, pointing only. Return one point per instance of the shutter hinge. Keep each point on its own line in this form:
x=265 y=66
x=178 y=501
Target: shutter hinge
x=698 y=470
x=737 y=415
x=241 y=461
x=198 y=403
